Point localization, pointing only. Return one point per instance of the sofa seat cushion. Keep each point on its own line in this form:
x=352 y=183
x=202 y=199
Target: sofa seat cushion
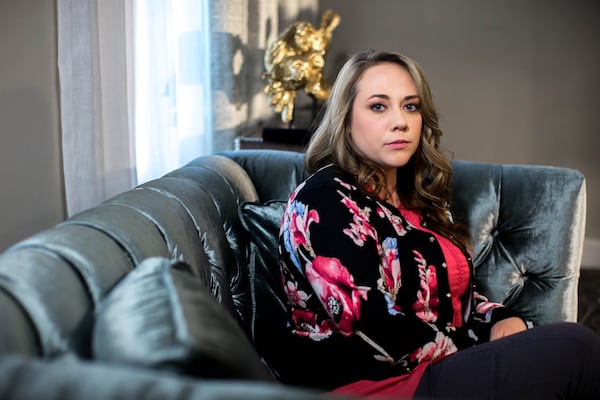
x=70 y=378
x=162 y=316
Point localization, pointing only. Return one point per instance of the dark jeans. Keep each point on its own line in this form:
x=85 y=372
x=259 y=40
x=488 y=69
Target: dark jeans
x=555 y=361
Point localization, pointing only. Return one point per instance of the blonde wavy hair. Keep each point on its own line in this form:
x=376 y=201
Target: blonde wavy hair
x=424 y=183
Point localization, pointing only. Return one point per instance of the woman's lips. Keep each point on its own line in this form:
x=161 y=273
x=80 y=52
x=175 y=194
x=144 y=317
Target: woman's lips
x=398 y=144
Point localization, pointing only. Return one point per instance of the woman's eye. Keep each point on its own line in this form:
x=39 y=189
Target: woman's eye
x=412 y=107
x=377 y=107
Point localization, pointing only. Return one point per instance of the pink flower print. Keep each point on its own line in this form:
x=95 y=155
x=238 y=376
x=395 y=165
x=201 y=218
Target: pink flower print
x=391 y=265
x=395 y=220
x=427 y=299
x=484 y=306
x=296 y=221
x=352 y=206
x=439 y=348
x=335 y=287
x=360 y=228
x=296 y=297
x=300 y=219
x=344 y=184
x=306 y=325
x=390 y=281
x=359 y=231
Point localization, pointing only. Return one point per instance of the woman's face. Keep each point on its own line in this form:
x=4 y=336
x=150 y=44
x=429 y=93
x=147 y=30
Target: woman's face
x=386 y=117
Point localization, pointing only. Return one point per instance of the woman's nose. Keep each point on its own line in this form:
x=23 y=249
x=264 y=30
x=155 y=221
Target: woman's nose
x=398 y=120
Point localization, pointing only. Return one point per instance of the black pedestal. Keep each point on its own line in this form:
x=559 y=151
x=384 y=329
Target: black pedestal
x=286 y=135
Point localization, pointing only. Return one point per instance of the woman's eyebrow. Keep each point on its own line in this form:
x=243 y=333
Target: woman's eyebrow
x=385 y=96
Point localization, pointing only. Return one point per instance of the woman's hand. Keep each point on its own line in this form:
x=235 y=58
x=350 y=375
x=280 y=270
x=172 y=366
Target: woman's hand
x=507 y=327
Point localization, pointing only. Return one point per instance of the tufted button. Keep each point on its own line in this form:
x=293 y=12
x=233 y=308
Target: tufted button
x=444 y=265
x=431 y=239
x=448 y=295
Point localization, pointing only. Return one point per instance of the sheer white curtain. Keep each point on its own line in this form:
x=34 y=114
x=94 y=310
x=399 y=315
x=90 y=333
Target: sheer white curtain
x=94 y=40
x=133 y=88
x=172 y=81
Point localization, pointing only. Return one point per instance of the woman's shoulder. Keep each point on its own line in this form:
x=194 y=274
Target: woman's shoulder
x=329 y=178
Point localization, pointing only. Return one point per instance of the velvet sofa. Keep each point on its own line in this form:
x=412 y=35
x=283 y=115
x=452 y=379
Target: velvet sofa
x=170 y=290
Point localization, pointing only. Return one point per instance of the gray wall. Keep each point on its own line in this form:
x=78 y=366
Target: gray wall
x=515 y=81
x=31 y=194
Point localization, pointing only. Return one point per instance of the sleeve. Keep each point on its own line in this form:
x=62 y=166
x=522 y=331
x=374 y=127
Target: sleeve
x=341 y=277
x=487 y=313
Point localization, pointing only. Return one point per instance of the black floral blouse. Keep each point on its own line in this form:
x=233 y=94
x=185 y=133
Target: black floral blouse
x=371 y=291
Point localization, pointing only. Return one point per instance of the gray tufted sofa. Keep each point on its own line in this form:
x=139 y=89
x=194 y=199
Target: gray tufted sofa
x=164 y=291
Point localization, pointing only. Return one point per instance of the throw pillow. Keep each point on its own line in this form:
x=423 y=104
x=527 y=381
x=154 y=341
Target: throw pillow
x=262 y=221
x=269 y=319
x=162 y=316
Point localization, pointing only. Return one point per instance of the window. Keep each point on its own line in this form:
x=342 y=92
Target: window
x=172 y=85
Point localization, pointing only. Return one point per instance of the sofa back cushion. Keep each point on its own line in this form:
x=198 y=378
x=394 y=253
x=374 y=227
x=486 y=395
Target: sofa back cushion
x=528 y=225
x=274 y=173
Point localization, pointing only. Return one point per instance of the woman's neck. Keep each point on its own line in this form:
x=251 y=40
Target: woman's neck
x=394 y=198
x=391 y=187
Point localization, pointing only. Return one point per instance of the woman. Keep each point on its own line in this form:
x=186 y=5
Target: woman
x=380 y=278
